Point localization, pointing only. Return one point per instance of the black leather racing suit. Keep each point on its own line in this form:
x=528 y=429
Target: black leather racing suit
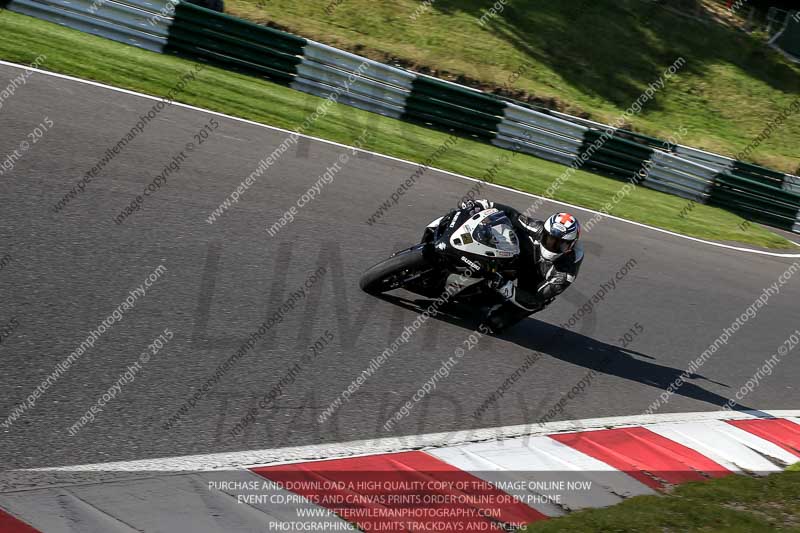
x=538 y=280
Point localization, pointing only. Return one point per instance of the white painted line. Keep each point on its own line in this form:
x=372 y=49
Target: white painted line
x=447 y=172
x=251 y=458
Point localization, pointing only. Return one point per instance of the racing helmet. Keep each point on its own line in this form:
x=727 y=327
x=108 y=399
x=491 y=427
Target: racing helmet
x=559 y=235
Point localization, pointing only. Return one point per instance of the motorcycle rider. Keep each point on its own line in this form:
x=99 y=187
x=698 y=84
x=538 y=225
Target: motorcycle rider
x=549 y=260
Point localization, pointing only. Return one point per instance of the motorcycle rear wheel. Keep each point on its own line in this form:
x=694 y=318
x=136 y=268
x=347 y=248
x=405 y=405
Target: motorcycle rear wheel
x=394 y=272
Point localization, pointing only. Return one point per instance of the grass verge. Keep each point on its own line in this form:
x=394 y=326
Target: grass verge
x=734 y=504
x=586 y=57
x=71 y=52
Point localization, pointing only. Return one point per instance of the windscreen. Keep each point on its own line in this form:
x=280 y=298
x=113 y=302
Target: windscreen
x=497 y=232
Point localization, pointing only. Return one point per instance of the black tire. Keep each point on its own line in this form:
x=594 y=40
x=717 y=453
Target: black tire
x=384 y=276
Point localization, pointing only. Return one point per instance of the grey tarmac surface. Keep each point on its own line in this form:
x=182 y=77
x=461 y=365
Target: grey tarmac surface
x=69 y=270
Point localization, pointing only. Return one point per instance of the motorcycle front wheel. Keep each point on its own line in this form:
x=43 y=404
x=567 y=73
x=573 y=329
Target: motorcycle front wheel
x=394 y=272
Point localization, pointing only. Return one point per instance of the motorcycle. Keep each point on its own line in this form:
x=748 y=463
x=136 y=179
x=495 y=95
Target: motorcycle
x=464 y=252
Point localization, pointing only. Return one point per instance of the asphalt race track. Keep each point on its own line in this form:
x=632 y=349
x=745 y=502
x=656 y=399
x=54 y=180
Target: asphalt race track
x=69 y=270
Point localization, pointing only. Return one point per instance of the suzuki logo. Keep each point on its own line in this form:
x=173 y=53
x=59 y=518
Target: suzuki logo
x=473 y=264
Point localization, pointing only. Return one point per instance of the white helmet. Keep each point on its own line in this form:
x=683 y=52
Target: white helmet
x=561 y=232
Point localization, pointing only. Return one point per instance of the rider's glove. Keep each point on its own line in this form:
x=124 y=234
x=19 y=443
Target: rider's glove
x=475 y=206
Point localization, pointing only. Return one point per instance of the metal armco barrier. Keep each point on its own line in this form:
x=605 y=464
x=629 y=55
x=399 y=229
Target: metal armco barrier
x=127 y=21
x=196 y=33
x=787 y=40
x=235 y=44
x=358 y=81
x=453 y=107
